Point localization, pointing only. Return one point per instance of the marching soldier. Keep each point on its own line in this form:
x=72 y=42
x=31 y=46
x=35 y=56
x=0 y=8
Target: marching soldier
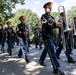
x=74 y=26
x=22 y=33
x=9 y=35
x=2 y=37
x=37 y=36
x=13 y=37
x=48 y=23
x=27 y=39
x=58 y=51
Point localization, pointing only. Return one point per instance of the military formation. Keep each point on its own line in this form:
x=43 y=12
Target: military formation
x=66 y=35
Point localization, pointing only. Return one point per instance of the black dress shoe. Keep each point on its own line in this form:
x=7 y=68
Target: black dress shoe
x=42 y=63
x=3 y=51
x=58 y=72
x=27 y=60
x=71 y=61
x=71 y=53
x=36 y=47
x=12 y=46
x=40 y=47
x=10 y=54
x=55 y=71
x=20 y=56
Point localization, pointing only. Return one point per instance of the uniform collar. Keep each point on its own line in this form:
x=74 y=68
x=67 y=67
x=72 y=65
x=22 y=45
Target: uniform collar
x=47 y=13
x=22 y=24
x=9 y=27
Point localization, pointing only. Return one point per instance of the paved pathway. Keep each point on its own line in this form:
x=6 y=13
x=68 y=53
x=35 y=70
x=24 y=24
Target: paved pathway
x=17 y=66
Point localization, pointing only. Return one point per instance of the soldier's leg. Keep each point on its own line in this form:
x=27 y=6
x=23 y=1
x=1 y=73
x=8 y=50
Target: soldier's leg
x=23 y=47
x=74 y=41
x=20 y=53
x=9 y=47
x=70 y=49
x=20 y=50
x=49 y=43
x=40 y=44
x=13 y=43
x=36 y=42
x=27 y=45
x=43 y=56
x=70 y=59
x=29 y=42
x=3 y=42
x=17 y=41
x=58 y=51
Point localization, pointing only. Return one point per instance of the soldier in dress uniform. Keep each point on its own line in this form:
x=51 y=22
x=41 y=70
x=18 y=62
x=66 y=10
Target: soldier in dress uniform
x=74 y=26
x=9 y=35
x=27 y=39
x=21 y=31
x=58 y=51
x=48 y=23
x=13 y=37
x=2 y=36
x=37 y=33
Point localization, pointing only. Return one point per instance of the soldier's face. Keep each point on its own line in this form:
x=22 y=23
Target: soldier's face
x=62 y=16
x=9 y=25
x=37 y=26
x=22 y=20
x=48 y=10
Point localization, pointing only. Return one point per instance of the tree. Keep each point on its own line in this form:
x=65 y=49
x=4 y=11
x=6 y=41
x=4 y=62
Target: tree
x=6 y=8
x=70 y=14
x=55 y=15
x=31 y=17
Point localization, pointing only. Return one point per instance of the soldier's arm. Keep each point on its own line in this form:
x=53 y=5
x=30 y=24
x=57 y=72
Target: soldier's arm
x=14 y=34
x=6 y=34
x=45 y=21
x=17 y=30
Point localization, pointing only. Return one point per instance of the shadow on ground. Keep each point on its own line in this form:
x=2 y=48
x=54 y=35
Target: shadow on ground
x=15 y=66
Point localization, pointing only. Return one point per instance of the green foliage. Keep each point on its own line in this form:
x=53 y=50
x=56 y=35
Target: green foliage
x=70 y=14
x=31 y=17
x=33 y=38
x=55 y=15
x=6 y=8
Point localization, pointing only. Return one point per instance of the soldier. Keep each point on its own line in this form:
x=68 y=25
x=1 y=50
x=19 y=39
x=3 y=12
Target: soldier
x=48 y=23
x=13 y=37
x=27 y=39
x=37 y=36
x=9 y=34
x=22 y=33
x=28 y=36
x=58 y=51
x=2 y=37
x=74 y=26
